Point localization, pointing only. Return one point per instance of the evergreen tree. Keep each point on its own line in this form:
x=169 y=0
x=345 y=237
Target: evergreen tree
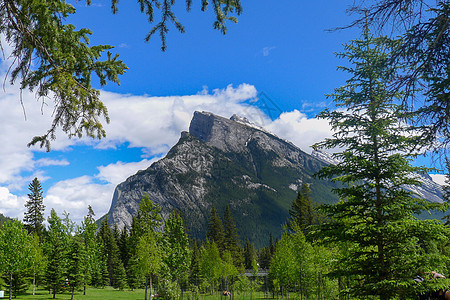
x=375 y=219
x=215 y=230
x=56 y=248
x=34 y=216
x=301 y=213
x=87 y=232
x=249 y=253
x=231 y=238
x=77 y=258
x=194 y=269
x=116 y=271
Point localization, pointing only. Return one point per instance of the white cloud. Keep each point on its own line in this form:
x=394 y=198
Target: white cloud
x=116 y=173
x=266 y=50
x=74 y=196
x=44 y=162
x=156 y=122
x=10 y=204
x=296 y=127
x=153 y=123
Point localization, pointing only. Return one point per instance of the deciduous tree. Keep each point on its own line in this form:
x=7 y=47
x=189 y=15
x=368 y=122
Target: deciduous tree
x=15 y=250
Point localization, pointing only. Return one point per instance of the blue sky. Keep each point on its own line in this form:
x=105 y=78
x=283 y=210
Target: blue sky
x=279 y=48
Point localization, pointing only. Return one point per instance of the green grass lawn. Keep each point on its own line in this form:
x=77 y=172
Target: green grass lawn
x=110 y=293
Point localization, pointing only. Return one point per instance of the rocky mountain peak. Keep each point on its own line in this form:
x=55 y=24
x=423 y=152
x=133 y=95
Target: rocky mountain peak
x=228 y=135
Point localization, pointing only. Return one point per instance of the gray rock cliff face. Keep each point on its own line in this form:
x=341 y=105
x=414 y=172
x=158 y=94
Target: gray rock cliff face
x=222 y=162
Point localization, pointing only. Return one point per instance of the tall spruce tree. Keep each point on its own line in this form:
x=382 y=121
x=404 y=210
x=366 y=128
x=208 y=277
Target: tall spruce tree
x=116 y=271
x=87 y=231
x=231 y=238
x=215 y=230
x=34 y=216
x=376 y=217
x=301 y=213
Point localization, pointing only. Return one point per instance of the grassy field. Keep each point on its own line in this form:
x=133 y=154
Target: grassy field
x=110 y=293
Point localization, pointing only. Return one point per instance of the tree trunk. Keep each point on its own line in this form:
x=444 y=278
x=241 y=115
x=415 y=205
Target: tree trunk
x=146 y=283
x=84 y=289
x=151 y=287
x=73 y=291
x=34 y=283
x=10 y=285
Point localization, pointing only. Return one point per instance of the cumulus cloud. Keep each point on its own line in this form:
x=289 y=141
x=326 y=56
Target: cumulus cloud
x=10 y=204
x=150 y=123
x=74 y=196
x=296 y=127
x=155 y=123
x=116 y=173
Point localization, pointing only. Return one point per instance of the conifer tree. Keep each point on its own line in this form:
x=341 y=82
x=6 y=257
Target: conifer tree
x=117 y=275
x=77 y=258
x=301 y=212
x=194 y=269
x=215 y=230
x=231 y=238
x=375 y=218
x=249 y=253
x=34 y=216
x=56 y=248
x=87 y=231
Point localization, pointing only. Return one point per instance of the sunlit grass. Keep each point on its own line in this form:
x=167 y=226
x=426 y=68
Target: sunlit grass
x=110 y=293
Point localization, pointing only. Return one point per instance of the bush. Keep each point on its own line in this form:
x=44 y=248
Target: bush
x=168 y=290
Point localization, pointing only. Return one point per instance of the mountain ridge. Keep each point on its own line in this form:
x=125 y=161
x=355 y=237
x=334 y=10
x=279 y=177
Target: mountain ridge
x=223 y=162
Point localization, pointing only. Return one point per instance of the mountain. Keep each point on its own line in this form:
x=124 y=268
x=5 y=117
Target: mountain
x=231 y=162
x=224 y=161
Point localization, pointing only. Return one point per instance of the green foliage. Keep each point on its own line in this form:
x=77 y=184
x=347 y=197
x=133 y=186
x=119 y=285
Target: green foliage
x=383 y=241
x=215 y=230
x=149 y=257
x=15 y=252
x=55 y=60
x=249 y=254
x=64 y=64
x=301 y=212
x=231 y=238
x=76 y=263
x=34 y=216
x=176 y=254
x=169 y=290
x=148 y=217
x=110 y=251
x=56 y=249
x=425 y=43
x=194 y=268
x=292 y=264
x=210 y=264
